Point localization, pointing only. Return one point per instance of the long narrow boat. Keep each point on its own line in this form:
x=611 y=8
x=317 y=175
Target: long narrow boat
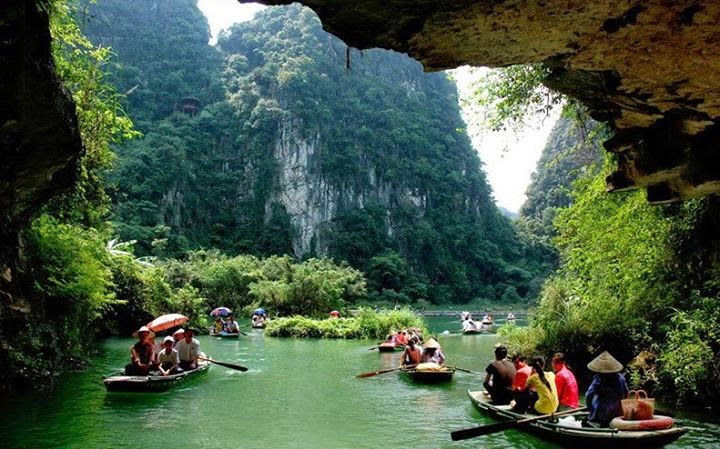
x=429 y=376
x=150 y=384
x=390 y=347
x=579 y=437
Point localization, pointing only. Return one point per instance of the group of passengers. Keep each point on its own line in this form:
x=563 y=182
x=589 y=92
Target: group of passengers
x=404 y=336
x=528 y=388
x=414 y=354
x=177 y=353
x=230 y=326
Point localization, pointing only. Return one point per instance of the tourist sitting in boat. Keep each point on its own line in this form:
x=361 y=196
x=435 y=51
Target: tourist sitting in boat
x=178 y=335
x=541 y=388
x=415 y=332
x=231 y=326
x=567 y=388
x=168 y=361
x=499 y=378
x=468 y=324
x=402 y=337
x=432 y=353
x=510 y=317
x=391 y=338
x=411 y=355
x=258 y=320
x=519 y=386
x=188 y=351
x=607 y=389
x=218 y=326
x=142 y=354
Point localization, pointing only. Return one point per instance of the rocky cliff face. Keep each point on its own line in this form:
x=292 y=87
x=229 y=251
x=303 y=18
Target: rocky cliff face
x=39 y=140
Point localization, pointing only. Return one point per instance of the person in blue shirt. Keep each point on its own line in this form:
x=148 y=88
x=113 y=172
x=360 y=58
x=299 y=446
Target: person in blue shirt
x=607 y=389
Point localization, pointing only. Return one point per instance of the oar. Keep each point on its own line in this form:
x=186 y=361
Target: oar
x=382 y=371
x=225 y=364
x=464 y=370
x=464 y=434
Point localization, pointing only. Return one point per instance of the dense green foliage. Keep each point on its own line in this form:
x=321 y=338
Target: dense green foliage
x=405 y=198
x=366 y=324
x=621 y=287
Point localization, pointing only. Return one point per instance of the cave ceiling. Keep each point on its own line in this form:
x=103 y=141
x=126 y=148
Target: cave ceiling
x=650 y=69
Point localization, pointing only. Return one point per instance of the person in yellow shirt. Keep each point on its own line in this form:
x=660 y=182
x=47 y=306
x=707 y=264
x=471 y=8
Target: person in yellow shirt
x=544 y=385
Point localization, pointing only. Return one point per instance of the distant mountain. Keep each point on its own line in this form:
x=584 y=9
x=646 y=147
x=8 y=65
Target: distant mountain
x=292 y=143
x=508 y=213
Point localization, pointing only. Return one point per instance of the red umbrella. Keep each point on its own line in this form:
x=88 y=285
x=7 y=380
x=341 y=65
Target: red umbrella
x=164 y=322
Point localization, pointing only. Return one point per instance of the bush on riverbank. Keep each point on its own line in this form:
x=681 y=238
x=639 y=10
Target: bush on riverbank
x=366 y=324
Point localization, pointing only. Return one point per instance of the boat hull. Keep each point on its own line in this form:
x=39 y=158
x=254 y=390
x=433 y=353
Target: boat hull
x=585 y=438
x=150 y=384
x=429 y=377
x=390 y=347
x=226 y=335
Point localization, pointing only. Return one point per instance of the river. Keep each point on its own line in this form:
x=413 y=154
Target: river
x=297 y=394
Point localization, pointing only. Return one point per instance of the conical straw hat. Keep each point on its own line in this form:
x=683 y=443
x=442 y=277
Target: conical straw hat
x=432 y=344
x=605 y=363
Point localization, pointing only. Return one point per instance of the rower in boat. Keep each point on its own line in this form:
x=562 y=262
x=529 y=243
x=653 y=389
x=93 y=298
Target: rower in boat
x=510 y=318
x=432 y=353
x=607 y=389
x=188 y=350
x=411 y=355
x=500 y=375
x=142 y=354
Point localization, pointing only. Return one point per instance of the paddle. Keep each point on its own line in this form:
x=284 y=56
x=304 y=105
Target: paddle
x=464 y=434
x=464 y=370
x=225 y=364
x=382 y=371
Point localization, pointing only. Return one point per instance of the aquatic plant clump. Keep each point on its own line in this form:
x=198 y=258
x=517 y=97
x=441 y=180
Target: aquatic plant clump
x=366 y=324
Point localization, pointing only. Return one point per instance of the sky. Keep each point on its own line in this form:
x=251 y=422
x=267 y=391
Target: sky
x=509 y=157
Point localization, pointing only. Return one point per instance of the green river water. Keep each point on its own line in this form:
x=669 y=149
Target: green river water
x=297 y=394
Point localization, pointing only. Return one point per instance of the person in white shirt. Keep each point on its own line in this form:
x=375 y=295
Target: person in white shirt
x=188 y=350
x=232 y=326
x=167 y=359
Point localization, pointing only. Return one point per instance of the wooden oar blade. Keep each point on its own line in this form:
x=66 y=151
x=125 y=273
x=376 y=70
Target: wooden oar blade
x=465 y=434
x=226 y=364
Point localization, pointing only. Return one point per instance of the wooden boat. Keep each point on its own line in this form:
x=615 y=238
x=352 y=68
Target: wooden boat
x=258 y=326
x=584 y=437
x=390 y=347
x=480 y=330
x=224 y=334
x=150 y=384
x=429 y=376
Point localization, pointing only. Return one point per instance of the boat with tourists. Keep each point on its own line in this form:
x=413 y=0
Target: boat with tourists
x=150 y=384
x=224 y=334
x=429 y=373
x=568 y=432
x=390 y=347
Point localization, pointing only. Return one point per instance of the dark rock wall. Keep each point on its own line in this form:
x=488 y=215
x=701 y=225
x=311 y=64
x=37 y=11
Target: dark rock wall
x=39 y=139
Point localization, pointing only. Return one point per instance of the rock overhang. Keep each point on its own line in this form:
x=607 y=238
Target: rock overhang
x=650 y=69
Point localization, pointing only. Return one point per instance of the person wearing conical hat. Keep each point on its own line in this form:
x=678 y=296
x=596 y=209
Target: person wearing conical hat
x=142 y=353
x=607 y=389
x=432 y=353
